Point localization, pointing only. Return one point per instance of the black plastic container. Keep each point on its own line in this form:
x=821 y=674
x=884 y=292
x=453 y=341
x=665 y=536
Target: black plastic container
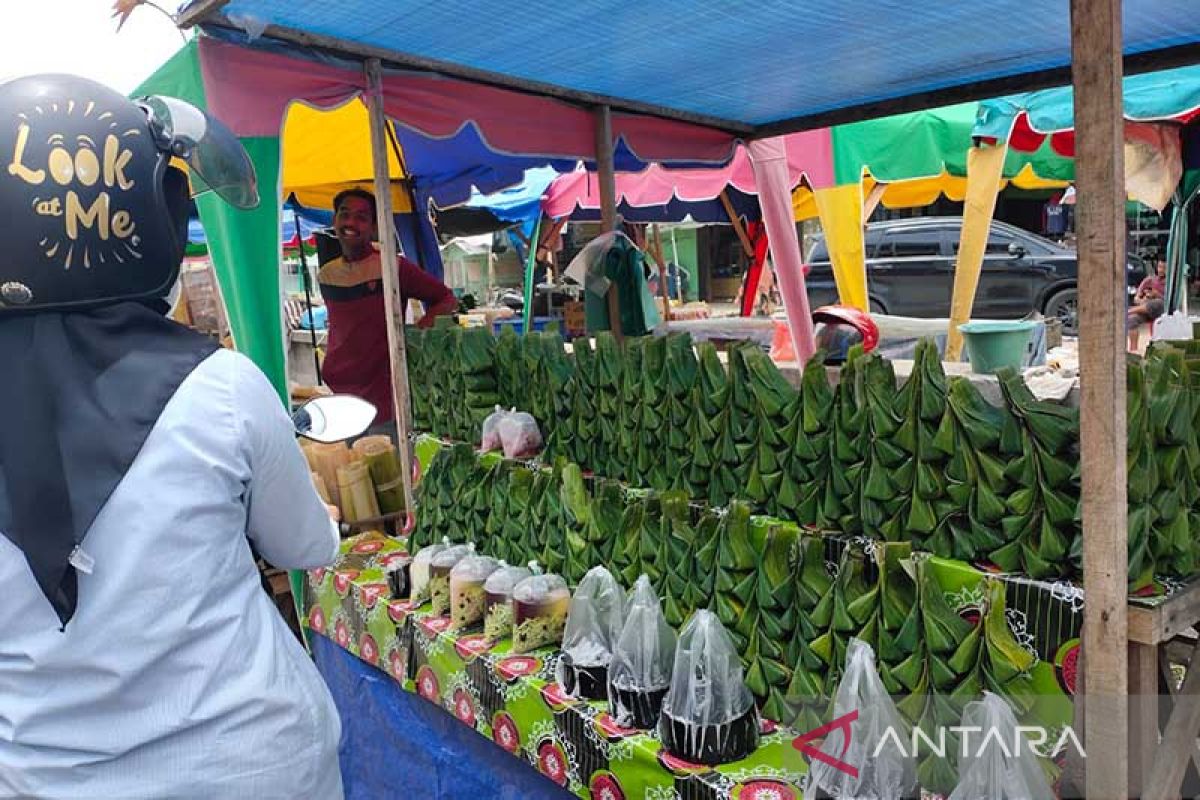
x=589 y=683
x=642 y=705
x=711 y=745
x=399 y=579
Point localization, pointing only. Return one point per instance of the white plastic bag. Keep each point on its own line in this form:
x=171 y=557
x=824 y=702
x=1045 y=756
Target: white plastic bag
x=708 y=716
x=640 y=672
x=992 y=766
x=519 y=435
x=1172 y=327
x=490 y=440
x=884 y=775
x=593 y=626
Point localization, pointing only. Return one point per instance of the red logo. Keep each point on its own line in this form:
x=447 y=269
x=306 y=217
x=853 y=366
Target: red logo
x=801 y=743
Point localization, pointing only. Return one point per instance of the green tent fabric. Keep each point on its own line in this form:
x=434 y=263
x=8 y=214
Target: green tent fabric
x=244 y=245
x=935 y=140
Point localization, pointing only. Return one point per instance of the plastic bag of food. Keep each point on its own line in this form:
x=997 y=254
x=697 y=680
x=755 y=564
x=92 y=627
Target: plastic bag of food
x=418 y=573
x=708 y=716
x=490 y=440
x=997 y=769
x=519 y=435
x=498 y=593
x=884 y=770
x=540 y=604
x=467 y=579
x=439 y=575
x=593 y=626
x=640 y=673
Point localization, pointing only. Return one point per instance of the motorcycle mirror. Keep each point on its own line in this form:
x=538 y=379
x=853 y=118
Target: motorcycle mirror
x=334 y=418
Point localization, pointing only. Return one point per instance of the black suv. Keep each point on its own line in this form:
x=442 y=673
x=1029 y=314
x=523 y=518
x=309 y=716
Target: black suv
x=910 y=272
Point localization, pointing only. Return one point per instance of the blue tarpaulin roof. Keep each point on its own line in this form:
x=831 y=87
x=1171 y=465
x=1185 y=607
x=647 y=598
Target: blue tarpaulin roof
x=753 y=67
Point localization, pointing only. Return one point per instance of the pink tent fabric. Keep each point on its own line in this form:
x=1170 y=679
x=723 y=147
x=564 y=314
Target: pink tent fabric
x=809 y=157
x=250 y=91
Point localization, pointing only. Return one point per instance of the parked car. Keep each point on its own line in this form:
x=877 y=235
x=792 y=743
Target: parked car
x=910 y=272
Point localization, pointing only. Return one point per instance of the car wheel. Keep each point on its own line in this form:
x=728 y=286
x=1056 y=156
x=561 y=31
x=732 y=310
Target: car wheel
x=875 y=307
x=1065 y=306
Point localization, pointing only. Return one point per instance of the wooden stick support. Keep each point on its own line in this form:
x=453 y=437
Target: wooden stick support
x=1099 y=170
x=738 y=228
x=662 y=274
x=608 y=202
x=389 y=258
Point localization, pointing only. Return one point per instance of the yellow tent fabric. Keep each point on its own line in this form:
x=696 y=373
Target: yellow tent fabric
x=841 y=209
x=918 y=192
x=984 y=168
x=326 y=151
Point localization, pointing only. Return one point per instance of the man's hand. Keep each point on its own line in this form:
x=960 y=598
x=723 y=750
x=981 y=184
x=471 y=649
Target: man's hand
x=335 y=513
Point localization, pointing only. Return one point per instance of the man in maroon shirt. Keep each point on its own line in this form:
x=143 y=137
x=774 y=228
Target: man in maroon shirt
x=356 y=360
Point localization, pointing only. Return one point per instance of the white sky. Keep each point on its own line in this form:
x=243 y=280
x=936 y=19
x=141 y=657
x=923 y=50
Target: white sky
x=80 y=37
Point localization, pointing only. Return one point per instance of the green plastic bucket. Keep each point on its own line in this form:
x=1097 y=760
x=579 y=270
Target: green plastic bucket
x=991 y=346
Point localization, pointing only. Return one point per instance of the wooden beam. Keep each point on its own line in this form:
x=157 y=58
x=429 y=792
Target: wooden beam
x=198 y=12
x=401 y=60
x=1143 y=714
x=389 y=259
x=1099 y=174
x=606 y=172
x=736 y=222
x=1167 y=620
x=873 y=200
x=1178 y=742
x=662 y=273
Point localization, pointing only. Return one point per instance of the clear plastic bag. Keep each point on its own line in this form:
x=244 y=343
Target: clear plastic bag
x=467 y=594
x=419 y=572
x=519 y=435
x=498 y=593
x=540 y=604
x=490 y=440
x=883 y=775
x=640 y=673
x=994 y=767
x=593 y=626
x=439 y=575
x=708 y=716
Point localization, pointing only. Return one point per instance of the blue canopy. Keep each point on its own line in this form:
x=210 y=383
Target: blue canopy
x=309 y=223
x=747 y=69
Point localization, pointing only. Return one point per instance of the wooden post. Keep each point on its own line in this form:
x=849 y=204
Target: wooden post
x=1099 y=169
x=873 y=200
x=736 y=222
x=608 y=202
x=389 y=256
x=662 y=273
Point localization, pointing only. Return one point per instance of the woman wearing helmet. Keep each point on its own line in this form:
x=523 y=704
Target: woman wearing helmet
x=139 y=656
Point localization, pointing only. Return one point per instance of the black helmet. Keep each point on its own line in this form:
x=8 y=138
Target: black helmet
x=91 y=210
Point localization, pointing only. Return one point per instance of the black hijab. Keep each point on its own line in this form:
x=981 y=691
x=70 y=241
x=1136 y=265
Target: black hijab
x=79 y=394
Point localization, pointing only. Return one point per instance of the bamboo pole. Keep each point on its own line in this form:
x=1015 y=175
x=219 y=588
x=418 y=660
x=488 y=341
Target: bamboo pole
x=389 y=257
x=608 y=202
x=736 y=221
x=1099 y=168
x=662 y=273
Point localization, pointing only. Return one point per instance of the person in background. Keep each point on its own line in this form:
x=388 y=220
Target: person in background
x=1149 y=302
x=139 y=463
x=357 y=360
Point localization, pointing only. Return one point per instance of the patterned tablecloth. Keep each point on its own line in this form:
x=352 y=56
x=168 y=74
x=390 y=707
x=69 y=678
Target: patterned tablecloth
x=515 y=701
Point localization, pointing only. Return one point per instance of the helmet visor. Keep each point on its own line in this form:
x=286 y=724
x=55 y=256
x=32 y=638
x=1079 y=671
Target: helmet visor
x=215 y=158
